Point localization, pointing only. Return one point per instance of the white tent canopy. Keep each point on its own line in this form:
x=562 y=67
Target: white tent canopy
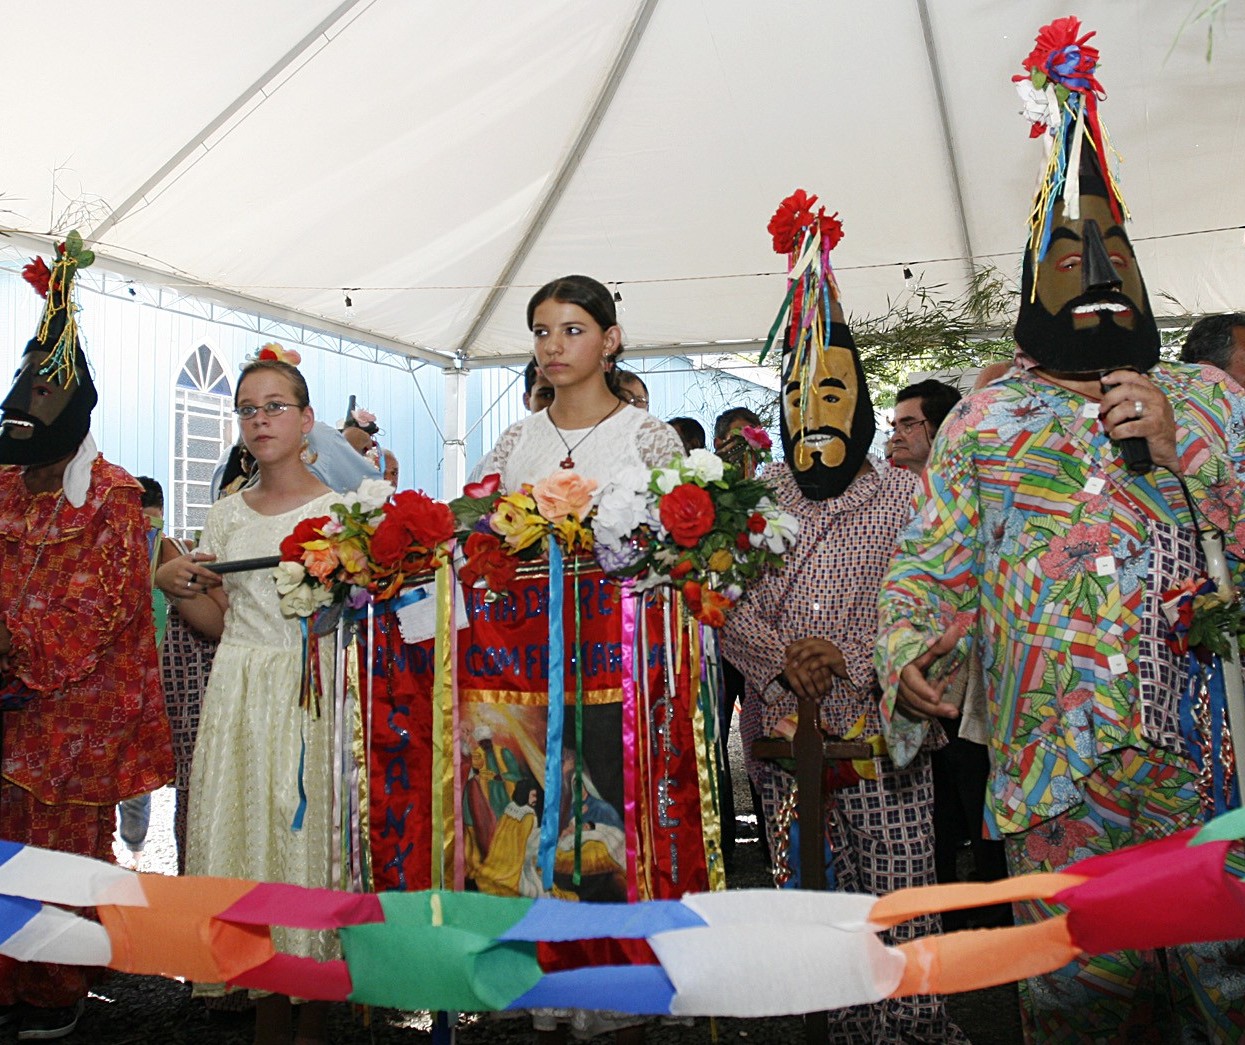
x=434 y=162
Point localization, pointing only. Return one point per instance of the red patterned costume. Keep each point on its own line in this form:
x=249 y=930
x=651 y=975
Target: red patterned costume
x=82 y=639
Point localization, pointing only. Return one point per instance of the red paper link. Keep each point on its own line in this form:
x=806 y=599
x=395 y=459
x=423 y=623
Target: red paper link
x=299 y=978
x=297 y=907
x=1185 y=891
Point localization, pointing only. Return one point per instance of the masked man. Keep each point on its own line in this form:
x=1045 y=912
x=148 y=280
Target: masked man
x=77 y=644
x=809 y=630
x=1038 y=538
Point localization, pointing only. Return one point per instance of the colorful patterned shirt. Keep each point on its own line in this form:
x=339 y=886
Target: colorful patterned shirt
x=828 y=589
x=1032 y=534
x=75 y=587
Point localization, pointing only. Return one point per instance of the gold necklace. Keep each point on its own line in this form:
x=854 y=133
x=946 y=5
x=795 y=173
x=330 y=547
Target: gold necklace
x=568 y=462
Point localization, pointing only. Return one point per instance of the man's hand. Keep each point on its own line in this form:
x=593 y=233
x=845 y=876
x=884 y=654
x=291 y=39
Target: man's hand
x=1134 y=406
x=919 y=697
x=809 y=666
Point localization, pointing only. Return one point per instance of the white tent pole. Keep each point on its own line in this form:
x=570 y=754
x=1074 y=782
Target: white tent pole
x=454 y=429
x=957 y=187
x=562 y=178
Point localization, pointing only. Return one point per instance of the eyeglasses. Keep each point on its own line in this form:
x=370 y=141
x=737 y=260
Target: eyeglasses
x=246 y=413
x=633 y=400
x=907 y=424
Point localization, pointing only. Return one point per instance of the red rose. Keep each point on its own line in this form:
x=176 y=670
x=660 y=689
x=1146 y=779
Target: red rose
x=687 y=512
x=413 y=522
x=489 y=560
x=756 y=523
x=307 y=530
x=38 y=275
x=831 y=229
x=742 y=542
x=681 y=569
x=793 y=216
x=389 y=543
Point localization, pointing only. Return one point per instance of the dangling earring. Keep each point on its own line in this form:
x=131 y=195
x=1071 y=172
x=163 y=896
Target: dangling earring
x=306 y=454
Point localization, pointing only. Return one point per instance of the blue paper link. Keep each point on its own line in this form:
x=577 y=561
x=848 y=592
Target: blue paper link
x=554 y=921
x=557 y=713
x=15 y=912
x=641 y=990
x=8 y=850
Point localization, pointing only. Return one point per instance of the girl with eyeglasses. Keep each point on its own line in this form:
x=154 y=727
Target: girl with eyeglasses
x=254 y=740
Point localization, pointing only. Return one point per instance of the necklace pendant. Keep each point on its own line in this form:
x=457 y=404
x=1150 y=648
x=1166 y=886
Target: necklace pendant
x=567 y=463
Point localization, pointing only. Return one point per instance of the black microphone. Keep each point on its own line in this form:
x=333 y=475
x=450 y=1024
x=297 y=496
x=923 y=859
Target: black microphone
x=1135 y=450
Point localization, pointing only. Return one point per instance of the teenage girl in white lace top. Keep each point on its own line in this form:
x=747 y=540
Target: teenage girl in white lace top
x=588 y=429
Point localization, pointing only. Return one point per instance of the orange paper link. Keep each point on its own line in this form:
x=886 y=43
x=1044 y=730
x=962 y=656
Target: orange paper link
x=903 y=904
x=178 y=933
x=977 y=958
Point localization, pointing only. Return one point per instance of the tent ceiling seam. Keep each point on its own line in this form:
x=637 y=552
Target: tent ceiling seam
x=119 y=212
x=557 y=188
x=957 y=186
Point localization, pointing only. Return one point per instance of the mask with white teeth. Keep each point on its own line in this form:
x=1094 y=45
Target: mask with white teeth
x=46 y=416
x=1084 y=306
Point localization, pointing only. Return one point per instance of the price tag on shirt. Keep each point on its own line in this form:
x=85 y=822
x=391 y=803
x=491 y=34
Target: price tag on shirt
x=1094 y=485
x=1104 y=565
x=1090 y=410
x=1118 y=664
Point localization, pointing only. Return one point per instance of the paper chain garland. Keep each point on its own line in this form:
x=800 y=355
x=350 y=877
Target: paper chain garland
x=467 y=952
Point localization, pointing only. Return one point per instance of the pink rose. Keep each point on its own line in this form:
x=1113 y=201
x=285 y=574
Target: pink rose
x=564 y=494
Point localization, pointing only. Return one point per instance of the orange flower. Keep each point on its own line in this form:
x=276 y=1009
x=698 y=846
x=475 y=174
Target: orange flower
x=713 y=607
x=721 y=561
x=321 y=562
x=563 y=494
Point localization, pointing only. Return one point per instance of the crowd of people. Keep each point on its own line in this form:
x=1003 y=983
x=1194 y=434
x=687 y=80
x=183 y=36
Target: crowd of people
x=982 y=609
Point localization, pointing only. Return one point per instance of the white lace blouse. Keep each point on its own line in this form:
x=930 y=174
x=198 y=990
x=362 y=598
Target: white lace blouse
x=531 y=449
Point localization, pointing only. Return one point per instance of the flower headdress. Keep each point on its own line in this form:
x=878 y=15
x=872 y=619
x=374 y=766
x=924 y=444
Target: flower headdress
x=806 y=237
x=56 y=286
x=1061 y=94
x=277 y=352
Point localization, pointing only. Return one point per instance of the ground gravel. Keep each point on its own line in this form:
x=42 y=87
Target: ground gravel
x=149 y=1010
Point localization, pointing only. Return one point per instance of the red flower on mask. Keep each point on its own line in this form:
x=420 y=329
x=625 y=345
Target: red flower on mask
x=793 y=216
x=1062 y=56
x=38 y=275
x=687 y=512
x=831 y=229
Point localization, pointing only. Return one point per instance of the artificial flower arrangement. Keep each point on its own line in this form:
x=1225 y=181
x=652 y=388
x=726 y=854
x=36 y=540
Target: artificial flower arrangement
x=363 y=550
x=696 y=524
x=498 y=531
x=1202 y=619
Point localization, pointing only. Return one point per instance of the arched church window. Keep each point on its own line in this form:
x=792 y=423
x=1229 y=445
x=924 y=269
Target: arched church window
x=203 y=427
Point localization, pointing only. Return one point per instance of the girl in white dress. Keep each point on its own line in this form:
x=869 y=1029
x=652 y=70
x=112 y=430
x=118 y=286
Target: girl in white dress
x=253 y=736
x=588 y=429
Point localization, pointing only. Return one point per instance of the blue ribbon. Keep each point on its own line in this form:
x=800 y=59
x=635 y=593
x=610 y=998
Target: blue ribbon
x=297 y=823
x=557 y=714
x=398 y=602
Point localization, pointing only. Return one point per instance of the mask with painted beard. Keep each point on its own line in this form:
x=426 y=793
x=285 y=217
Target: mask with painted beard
x=827 y=415
x=1090 y=312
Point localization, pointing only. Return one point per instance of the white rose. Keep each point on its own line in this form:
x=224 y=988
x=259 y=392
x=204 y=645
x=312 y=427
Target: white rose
x=371 y=494
x=288 y=575
x=705 y=465
x=300 y=602
x=667 y=479
x=1040 y=107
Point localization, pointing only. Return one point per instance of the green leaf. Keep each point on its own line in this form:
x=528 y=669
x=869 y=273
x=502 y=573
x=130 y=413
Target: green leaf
x=73 y=244
x=86 y=259
x=1039 y=79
